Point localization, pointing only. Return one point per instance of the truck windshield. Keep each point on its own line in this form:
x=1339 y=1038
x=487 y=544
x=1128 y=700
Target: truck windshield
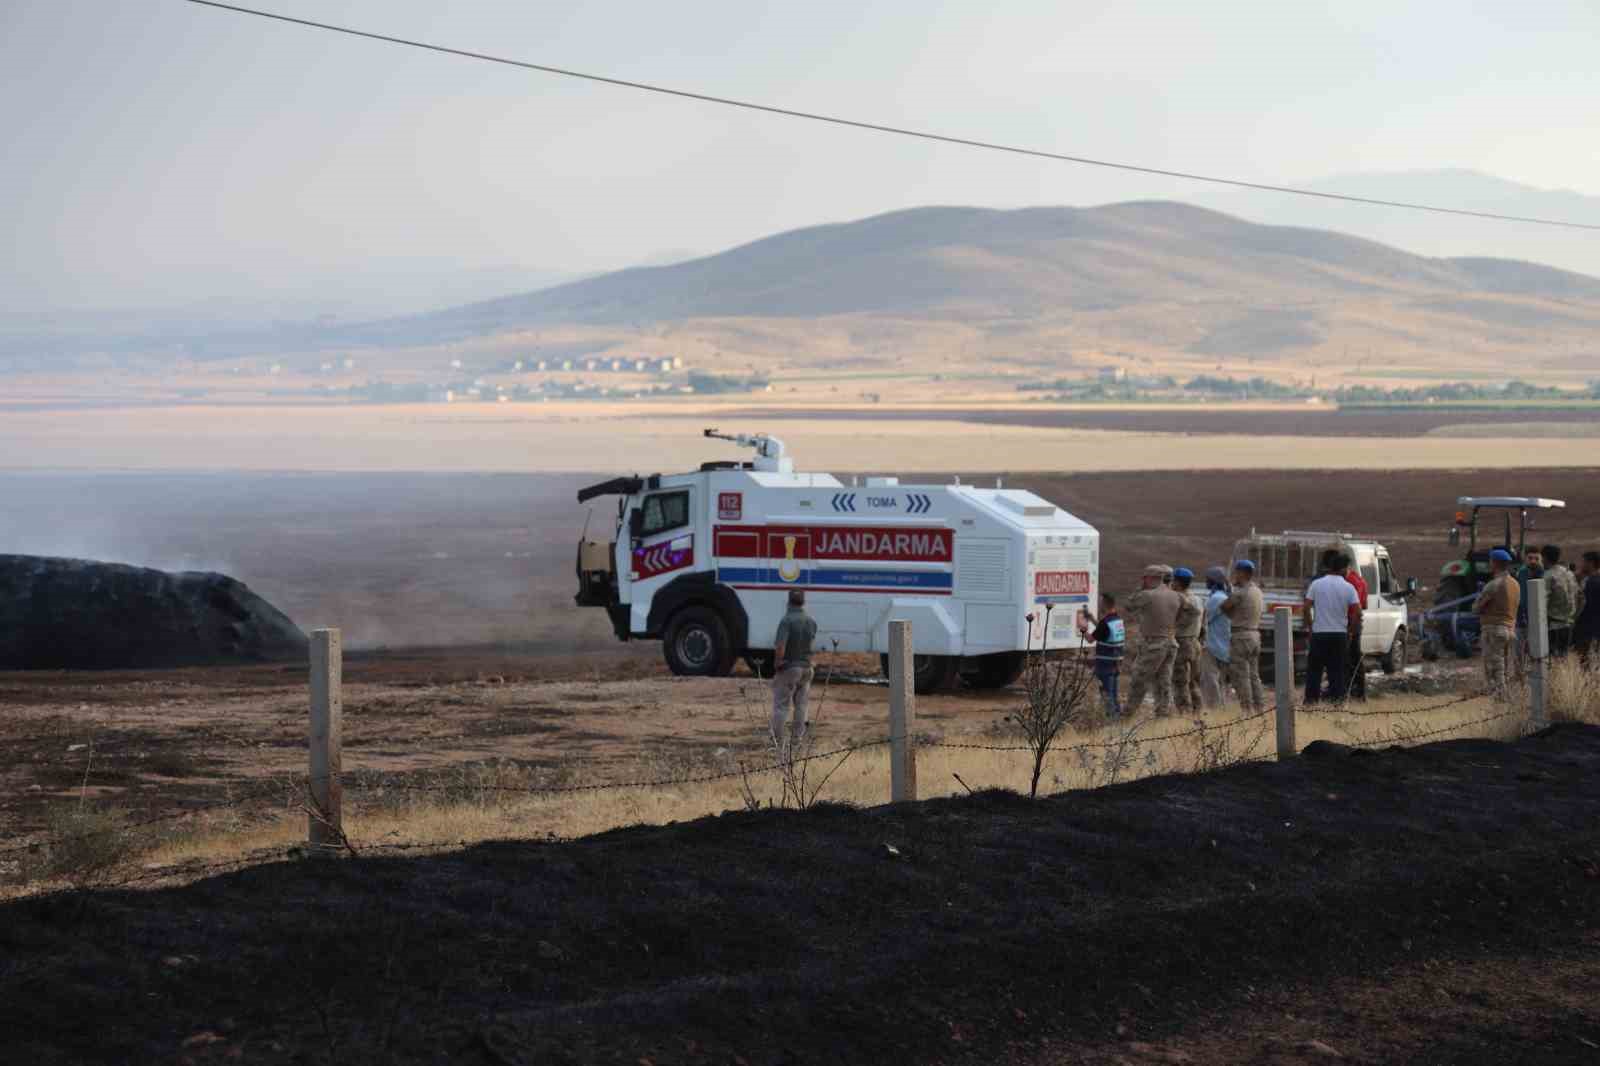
x=664 y=511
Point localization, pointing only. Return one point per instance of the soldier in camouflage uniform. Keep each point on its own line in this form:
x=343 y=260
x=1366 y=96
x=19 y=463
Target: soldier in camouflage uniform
x=1496 y=608
x=1154 y=608
x=1244 y=608
x=1186 y=663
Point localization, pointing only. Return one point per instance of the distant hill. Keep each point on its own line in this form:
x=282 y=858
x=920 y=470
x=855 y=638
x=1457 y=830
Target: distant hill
x=1244 y=288
x=1435 y=234
x=930 y=286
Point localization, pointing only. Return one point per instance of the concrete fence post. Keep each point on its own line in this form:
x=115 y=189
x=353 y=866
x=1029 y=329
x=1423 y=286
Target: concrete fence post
x=902 y=715
x=324 y=831
x=1283 y=678
x=1538 y=651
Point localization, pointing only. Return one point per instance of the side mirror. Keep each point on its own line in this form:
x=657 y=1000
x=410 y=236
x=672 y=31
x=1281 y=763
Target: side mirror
x=1455 y=536
x=636 y=523
x=1411 y=586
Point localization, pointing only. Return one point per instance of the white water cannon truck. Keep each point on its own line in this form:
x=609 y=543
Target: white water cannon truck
x=704 y=562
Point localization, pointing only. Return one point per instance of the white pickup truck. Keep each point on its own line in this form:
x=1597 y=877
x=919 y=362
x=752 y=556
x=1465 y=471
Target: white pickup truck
x=1287 y=563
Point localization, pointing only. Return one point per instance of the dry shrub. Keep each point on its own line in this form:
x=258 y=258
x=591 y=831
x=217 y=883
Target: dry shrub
x=84 y=842
x=1059 y=690
x=801 y=771
x=1572 y=690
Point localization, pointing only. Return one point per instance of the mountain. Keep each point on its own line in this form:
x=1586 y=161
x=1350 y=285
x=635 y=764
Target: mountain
x=1148 y=275
x=1154 y=280
x=1437 y=234
x=260 y=317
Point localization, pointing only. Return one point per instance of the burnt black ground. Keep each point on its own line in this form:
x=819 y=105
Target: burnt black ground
x=1129 y=914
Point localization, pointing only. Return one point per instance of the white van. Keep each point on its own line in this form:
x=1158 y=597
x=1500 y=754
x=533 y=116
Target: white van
x=1287 y=563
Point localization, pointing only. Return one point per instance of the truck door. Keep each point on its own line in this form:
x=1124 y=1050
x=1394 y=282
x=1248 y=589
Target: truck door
x=1391 y=604
x=661 y=545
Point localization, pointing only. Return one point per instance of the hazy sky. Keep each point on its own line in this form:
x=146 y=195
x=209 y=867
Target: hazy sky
x=164 y=153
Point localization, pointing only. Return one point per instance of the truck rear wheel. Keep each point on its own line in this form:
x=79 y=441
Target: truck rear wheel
x=696 y=644
x=929 y=673
x=994 y=671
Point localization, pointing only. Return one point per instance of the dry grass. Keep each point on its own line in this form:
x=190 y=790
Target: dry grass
x=477 y=802
x=86 y=840
x=1572 y=690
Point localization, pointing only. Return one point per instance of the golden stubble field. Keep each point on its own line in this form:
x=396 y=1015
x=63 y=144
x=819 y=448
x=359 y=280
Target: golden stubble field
x=482 y=747
x=571 y=437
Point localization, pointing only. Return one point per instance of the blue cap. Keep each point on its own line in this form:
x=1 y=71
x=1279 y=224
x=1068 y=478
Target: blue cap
x=1183 y=573
x=1246 y=565
x=1500 y=555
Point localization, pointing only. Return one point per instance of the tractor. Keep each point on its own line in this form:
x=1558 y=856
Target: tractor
x=1450 y=625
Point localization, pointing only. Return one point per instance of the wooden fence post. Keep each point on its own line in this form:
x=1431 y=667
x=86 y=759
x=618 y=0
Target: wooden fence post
x=1283 y=678
x=902 y=715
x=1538 y=651
x=324 y=830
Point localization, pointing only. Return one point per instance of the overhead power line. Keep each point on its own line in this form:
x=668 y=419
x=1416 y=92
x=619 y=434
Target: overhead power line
x=898 y=131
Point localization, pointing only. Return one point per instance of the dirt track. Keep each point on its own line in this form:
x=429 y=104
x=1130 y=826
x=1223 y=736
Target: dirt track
x=1230 y=917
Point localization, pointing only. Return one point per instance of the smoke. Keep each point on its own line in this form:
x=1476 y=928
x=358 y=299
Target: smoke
x=396 y=560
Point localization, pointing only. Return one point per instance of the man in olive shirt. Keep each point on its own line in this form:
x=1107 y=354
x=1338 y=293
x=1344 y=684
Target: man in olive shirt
x=1244 y=607
x=791 y=681
x=1561 y=600
x=1496 y=608
x=1154 y=608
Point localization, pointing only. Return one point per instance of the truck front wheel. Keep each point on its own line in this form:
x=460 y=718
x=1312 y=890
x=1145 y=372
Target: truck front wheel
x=697 y=644
x=1395 y=661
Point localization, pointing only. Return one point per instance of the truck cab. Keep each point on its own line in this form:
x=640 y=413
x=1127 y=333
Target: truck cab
x=703 y=562
x=1287 y=563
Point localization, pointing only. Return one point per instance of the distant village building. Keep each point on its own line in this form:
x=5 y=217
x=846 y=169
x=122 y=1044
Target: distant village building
x=1116 y=374
x=541 y=365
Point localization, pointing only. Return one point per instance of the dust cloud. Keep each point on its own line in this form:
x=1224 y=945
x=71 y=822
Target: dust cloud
x=394 y=560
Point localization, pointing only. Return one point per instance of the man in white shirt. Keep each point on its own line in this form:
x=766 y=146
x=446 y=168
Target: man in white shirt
x=1330 y=610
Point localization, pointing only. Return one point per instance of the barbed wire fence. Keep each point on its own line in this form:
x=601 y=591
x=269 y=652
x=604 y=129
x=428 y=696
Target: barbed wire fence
x=308 y=793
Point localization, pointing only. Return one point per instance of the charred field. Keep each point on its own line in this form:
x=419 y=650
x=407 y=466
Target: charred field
x=1428 y=905
x=1434 y=904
